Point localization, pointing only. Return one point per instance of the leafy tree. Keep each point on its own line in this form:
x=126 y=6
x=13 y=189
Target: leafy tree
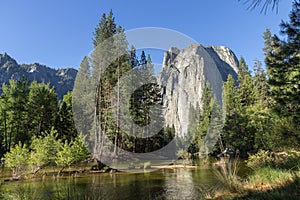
x=43 y=150
x=64 y=157
x=17 y=159
x=204 y=124
x=79 y=148
x=72 y=152
x=143 y=101
x=133 y=60
x=82 y=99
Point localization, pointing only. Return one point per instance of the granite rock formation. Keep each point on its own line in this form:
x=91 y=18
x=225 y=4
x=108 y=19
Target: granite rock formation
x=183 y=77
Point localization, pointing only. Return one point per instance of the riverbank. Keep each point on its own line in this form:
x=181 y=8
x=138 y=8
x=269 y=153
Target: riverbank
x=273 y=176
x=85 y=169
x=267 y=184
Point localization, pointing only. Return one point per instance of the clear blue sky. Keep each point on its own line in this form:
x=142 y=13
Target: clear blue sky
x=58 y=33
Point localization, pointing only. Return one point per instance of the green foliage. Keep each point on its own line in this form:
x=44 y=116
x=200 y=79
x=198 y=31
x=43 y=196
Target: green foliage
x=44 y=149
x=79 y=148
x=73 y=152
x=14 y=114
x=25 y=110
x=260 y=159
x=203 y=122
x=17 y=159
x=284 y=160
x=65 y=156
x=282 y=59
x=183 y=154
x=269 y=175
x=65 y=124
x=42 y=107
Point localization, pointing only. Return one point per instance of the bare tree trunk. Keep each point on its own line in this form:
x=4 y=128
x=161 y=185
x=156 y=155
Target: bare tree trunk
x=118 y=110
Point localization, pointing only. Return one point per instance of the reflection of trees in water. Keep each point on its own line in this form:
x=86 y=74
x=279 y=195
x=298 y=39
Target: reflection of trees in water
x=179 y=185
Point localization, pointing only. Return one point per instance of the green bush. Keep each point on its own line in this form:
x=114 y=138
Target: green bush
x=43 y=150
x=72 y=153
x=261 y=159
x=285 y=160
x=183 y=154
x=17 y=159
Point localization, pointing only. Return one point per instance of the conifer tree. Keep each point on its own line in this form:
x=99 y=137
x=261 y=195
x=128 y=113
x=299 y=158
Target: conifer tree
x=282 y=57
x=65 y=125
x=42 y=105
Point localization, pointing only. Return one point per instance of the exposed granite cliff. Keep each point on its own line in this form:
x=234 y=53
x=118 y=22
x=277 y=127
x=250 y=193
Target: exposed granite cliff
x=183 y=77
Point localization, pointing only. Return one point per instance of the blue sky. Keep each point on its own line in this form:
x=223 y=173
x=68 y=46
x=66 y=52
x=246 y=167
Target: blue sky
x=58 y=33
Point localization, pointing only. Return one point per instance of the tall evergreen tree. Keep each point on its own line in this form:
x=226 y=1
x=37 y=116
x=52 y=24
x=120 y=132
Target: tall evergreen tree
x=14 y=113
x=42 y=108
x=245 y=85
x=283 y=65
x=65 y=125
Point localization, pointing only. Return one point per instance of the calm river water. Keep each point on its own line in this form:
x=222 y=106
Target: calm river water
x=162 y=184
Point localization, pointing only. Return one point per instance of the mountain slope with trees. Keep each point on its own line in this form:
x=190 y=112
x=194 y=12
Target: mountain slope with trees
x=61 y=79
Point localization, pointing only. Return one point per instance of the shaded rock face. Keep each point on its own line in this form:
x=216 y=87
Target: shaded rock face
x=183 y=77
x=61 y=79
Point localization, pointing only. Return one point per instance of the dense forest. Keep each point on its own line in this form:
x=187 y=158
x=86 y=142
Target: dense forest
x=261 y=108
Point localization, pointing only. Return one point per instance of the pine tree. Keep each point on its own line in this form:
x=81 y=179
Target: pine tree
x=143 y=101
x=245 y=85
x=133 y=60
x=64 y=122
x=236 y=132
x=14 y=113
x=42 y=108
x=283 y=65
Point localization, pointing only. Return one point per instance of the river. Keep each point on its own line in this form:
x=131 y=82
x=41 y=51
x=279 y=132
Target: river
x=181 y=183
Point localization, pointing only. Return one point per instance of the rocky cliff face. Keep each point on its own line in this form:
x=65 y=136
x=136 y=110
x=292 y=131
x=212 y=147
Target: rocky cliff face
x=61 y=79
x=183 y=79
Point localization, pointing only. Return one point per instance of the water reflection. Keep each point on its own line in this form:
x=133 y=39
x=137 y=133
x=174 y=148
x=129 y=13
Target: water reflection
x=163 y=184
x=179 y=185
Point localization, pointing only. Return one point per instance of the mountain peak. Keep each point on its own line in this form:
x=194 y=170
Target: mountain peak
x=61 y=79
x=5 y=58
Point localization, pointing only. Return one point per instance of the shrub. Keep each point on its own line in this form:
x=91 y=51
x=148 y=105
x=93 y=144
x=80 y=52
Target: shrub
x=260 y=159
x=72 y=153
x=285 y=160
x=44 y=149
x=17 y=159
x=183 y=154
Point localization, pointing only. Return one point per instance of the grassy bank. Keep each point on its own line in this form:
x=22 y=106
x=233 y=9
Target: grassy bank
x=272 y=177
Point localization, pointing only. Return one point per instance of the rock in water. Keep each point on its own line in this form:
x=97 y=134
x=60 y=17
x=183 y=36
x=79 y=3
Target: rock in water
x=183 y=77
